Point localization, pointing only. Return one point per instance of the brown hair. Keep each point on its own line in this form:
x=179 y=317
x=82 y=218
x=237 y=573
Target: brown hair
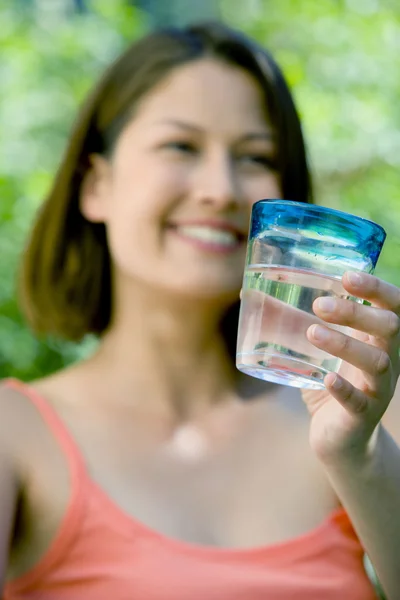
x=65 y=280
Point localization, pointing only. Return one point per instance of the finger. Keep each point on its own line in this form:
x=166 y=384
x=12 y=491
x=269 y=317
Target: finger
x=378 y=322
x=352 y=399
x=372 y=360
x=368 y=287
x=267 y=320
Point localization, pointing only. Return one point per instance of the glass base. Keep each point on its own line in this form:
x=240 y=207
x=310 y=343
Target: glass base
x=282 y=370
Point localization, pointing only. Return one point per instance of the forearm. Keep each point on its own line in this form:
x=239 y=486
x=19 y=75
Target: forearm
x=369 y=489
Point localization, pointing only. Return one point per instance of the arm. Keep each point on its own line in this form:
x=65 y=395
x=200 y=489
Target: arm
x=391 y=420
x=349 y=426
x=369 y=489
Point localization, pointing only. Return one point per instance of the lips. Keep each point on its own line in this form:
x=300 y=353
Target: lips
x=210 y=235
x=208 y=228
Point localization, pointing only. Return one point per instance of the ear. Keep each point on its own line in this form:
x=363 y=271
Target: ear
x=95 y=190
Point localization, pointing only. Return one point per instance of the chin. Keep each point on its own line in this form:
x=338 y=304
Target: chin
x=221 y=286
x=210 y=293
x=208 y=283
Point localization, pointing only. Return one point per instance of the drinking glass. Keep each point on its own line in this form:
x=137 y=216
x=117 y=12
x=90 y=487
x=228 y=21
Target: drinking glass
x=296 y=253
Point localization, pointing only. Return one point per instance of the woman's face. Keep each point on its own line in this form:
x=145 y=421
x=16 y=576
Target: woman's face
x=177 y=193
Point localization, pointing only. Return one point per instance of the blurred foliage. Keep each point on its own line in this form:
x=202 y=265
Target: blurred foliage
x=342 y=59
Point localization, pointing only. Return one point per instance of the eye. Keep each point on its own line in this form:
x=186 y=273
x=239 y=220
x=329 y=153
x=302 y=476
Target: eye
x=181 y=146
x=263 y=161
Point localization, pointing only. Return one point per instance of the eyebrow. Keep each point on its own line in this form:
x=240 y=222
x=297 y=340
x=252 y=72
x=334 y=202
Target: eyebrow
x=266 y=135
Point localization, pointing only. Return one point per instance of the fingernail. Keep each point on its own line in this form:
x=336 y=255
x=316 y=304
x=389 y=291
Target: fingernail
x=336 y=383
x=320 y=333
x=327 y=305
x=354 y=278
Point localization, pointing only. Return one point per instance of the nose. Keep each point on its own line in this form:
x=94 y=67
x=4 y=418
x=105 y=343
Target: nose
x=217 y=184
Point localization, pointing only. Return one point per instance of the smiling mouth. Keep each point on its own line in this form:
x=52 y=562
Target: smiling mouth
x=213 y=237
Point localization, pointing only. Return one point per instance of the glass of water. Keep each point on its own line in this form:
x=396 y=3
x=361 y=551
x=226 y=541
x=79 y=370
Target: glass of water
x=296 y=253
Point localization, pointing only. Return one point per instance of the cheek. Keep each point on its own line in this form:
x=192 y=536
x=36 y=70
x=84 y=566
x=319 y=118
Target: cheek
x=126 y=226
x=139 y=203
x=131 y=246
x=148 y=188
x=267 y=186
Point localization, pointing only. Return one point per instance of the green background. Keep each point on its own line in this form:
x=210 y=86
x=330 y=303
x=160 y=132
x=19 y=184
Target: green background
x=342 y=60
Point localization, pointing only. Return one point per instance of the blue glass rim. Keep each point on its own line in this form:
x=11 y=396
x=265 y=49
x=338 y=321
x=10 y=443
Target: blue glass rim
x=338 y=232
x=339 y=214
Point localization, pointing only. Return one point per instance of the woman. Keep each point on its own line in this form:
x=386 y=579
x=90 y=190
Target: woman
x=140 y=472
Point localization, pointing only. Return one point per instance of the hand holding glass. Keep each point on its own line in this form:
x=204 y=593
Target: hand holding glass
x=296 y=253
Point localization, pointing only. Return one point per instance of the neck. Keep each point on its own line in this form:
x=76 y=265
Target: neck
x=172 y=348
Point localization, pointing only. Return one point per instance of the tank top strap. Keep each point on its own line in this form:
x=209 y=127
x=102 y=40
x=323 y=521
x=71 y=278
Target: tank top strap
x=54 y=423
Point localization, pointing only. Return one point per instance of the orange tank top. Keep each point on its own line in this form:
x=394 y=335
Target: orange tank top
x=101 y=553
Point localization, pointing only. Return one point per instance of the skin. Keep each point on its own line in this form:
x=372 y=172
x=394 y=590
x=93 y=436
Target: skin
x=355 y=401
x=162 y=368
x=203 y=167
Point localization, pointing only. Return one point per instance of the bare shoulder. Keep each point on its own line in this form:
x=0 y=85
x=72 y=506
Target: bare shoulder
x=391 y=419
x=21 y=424
x=36 y=476
x=15 y=423
x=14 y=426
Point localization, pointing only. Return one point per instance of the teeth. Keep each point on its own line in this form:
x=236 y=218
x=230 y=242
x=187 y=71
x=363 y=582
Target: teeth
x=209 y=234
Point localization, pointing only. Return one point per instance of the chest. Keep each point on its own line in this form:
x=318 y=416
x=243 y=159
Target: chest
x=256 y=486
